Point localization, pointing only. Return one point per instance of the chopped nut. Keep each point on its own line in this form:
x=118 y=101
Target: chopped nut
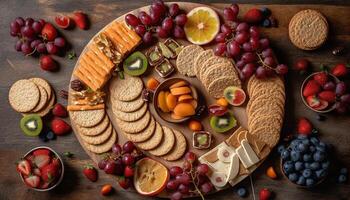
x=146 y=95
x=77 y=85
x=63 y=94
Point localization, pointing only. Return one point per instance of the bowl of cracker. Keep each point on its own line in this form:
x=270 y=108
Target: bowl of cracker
x=175 y=100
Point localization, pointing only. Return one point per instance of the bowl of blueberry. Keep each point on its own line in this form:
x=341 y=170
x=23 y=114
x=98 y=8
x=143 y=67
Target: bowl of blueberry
x=305 y=162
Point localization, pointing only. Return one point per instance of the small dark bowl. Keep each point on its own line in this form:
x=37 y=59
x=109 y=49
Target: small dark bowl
x=304 y=100
x=164 y=86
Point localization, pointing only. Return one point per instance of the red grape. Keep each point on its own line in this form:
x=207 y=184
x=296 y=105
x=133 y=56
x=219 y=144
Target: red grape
x=282 y=69
x=261 y=72
x=240 y=64
x=175 y=170
x=254 y=42
x=242 y=37
x=172 y=185
x=41 y=48
x=206 y=187
x=110 y=167
x=248 y=70
x=60 y=42
x=229 y=15
x=345 y=98
x=254 y=32
x=51 y=48
x=265 y=43
x=202 y=169
x=29 y=21
x=162 y=33
x=26 y=48
x=186 y=165
x=190 y=156
x=128 y=159
x=242 y=27
x=226 y=29
x=128 y=147
x=42 y=22
x=146 y=19
x=35 y=43
x=167 y=24
x=301 y=64
x=117 y=149
x=233 y=49
x=155 y=17
x=181 y=19
x=28 y=31
x=179 y=32
x=37 y=27
x=220 y=37
x=340 y=88
x=158 y=8
x=267 y=52
x=247 y=47
x=140 y=30
x=132 y=20
x=184 y=189
x=248 y=57
x=102 y=164
x=15 y=27
x=269 y=61
x=220 y=49
x=183 y=178
x=234 y=7
x=119 y=167
x=18 y=45
x=176 y=196
x=147 y=37
x=13 y=34
x=141 y=13
x=329 y=86
x=47 y=63
x=202 y=179
x=341 y=107
x=174 y=9
x=20 y=21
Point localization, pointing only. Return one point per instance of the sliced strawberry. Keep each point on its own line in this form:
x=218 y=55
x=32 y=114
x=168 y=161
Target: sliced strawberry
x=56 y=162
x=322 y=106
x=30 y=159
x=328 y=96
x=24 y=167
x=63 y=21
x=37 y=171
x=32 y=181
x=41 y=152
x=321 y=78
x=313 y=101
x=49 y=173
x=44 y=185
x=41 y=160
x=311 y=88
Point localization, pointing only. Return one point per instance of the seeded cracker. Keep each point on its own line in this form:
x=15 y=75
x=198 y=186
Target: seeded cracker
x=98 y=139
x=143 y=135
x=154 y=141
x=186 y=59
x=179 y=148
x=24 y=95
x=132 y=116
x=201 y=59
x=126 y=89
x=127 y=106
x=95 y=130
x=136 y=126
x=167 y=143
x=104 y=147
x=87 y=118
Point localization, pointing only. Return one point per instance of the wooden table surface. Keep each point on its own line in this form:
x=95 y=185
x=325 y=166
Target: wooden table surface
x=14 y=66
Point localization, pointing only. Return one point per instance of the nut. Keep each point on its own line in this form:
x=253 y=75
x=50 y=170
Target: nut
x=77 y=85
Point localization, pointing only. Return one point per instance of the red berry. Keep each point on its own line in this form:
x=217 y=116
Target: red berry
x=90 y=172
x=128 y=171
x=311 y=88
x=125 y=183
x=81 y=20
x=265 y=194
x=328 y=96
x=63 y=21
x=41 y=152
x=253 y=16
x=304 y=126
x=59 y=110
x=49 y=173
x=301 y=64
x=340 y=70
x=47 y=63
x=60 y=127
x=313 y=101
x=106 y=189
x=49 y=32
x=321 y=78
x=32 y=181
x=24 y=167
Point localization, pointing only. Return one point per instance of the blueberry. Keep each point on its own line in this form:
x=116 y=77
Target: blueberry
x=312 y=148
x=321 y=148
x=280 y=149
x=306 y=141
x=310 y=182
x=242 y=192
x=301 y=180
x=50 y=135
x=302 y=147
x=315 y=166
x=307 y=165
x=321 y=117
x=307 y=157
x=325 y=165
x=302 y=137
x=298 y=166
x=342 y=178
x=343 y=171
x=285 y=154
x=294 y=143
x=266 y=23
x=43 y=135
x=321 y=173
x=314 y=140
x=322 y=144
x=266 y=12
x=288 y=167
x=314 y=131
x=319 y=156
x=307 y=173
x=295 y=156
x=293 y=177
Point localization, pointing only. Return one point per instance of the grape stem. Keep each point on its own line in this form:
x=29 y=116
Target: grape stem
x=195 y=185
x=263 y=63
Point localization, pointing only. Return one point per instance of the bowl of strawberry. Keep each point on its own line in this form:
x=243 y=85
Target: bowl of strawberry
x=41 y=169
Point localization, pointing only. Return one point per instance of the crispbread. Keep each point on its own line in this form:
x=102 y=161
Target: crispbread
x=132 y=116
x=212 y=61
x=217 y=87
x=185 y=59
x=43 y=83
x=143 y=135
x=167 y=143
x=24 y=95
x=266 y=119
x=98 y=139
x=201 y=58
x=126 y=89
x=87 y=118
x=47 y=108
x=43 y=99
x=127 y=106
x=154 y=141
x=269 y=135
x=218 y=70
x=135 y=126
x=104 y=147
x=179 y=149
x=95 y=130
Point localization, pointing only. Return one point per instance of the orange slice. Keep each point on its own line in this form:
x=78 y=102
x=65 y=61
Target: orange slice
x=150 y=177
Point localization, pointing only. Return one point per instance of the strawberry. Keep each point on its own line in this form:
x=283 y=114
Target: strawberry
x=253 y=16
x=321 y=78
x=60 y=127
x=90 y=173
x=340 y=70
x=55 y=161
x=49 y=173
x=37 y=171
x=311 y=88
x=63 y=21
x=328 y=96
x=304 y=126
x=47 y=63
x=313 y=101
x=81 y=20
x=41 y=160
x=49 y=32
x=125 y=183
x=59 y=110
x=128 y=171
x=265 y=194
x=106 y=189
x=323 y=105
x=44 y=185
x=32 y=181
x=24 y=167
x=30 y=159
x=41 y=152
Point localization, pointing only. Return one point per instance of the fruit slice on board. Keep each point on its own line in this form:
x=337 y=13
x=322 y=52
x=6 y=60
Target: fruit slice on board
x=136 y=64
x=323 y=105
x=62 y=21
x=150 y=177
x=202 y=25
x=31 y=125
x=234 y=95
x=221 y=124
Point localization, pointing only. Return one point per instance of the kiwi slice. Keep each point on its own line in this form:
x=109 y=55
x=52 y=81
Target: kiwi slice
x=31 y=125
x=136 y=64
x=223 y=123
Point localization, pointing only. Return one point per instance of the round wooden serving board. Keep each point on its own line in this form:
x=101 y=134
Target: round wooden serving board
x=239 y=112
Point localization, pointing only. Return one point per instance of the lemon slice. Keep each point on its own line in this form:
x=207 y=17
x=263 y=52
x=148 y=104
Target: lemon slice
x=202 y=25
x=150 y=177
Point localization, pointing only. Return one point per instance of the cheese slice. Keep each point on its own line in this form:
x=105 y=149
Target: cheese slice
x=225 y=152
x=220 y=166
x=243 y=157
x=249 y=152
x=234 y=167
x=218 y=179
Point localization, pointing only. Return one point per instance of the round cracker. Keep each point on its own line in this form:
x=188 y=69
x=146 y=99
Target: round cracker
x=185 y=59
x=24 y=95
x=154 y=141
x=127 y=106
x=167 y=143
x=87 y=118
x=135 y=126
x=126 y=89
x=104 y=147
x=43 y=99
x=143 y=135
x=132 y=116
x=179 y=149
x=269 y=135
x=201 y=59
x=218 y=70
x=98 y=139
x=43 y=83
x=48 y=106
x=217 y=87
x=212 y=61
x=95 y=130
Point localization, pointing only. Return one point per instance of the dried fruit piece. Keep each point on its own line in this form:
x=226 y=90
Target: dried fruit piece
x=222 y=102
x=217 y=110
x=171 y=101
x=184 y=110
x=152 y=84
x=195 y=125
x=270 y=172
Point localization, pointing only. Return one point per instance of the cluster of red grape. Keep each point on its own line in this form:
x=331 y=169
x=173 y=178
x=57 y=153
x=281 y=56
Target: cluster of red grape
x=243 y=43
x=120 y=162
x=191 y=178
x=162 y=20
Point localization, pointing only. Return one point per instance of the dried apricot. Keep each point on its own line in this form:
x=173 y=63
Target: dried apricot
x=195 y=125
x=161 y=101
x=222 y=102
x=173 y=116
x=171 y=101
x=185 y=97
x=270 y=172
x=180 y=90
x=152 y=83
x=178 y=84
x=184 y=110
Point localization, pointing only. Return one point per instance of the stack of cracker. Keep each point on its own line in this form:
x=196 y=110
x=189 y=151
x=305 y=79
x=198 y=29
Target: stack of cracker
x=216 y=73
x=137 y=123
x=32 y=96
x=265 y=109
